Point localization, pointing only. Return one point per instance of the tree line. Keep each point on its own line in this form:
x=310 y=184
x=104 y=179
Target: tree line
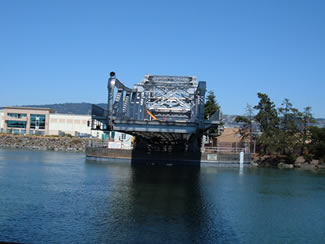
x=283 y=131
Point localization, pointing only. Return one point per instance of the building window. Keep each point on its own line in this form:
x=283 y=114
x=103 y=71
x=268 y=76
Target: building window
x=112 y=135
x=16 y=124
x=37 y=121
x=17 y=115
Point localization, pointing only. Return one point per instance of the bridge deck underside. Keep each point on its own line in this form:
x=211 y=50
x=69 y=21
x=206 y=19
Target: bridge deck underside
x=159 y=131
x=163 y=138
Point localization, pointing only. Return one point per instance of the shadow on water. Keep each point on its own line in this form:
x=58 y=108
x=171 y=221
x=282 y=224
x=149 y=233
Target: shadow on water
x=159 y=204
x=76 y=201
x=166 y=200
x=141 y=157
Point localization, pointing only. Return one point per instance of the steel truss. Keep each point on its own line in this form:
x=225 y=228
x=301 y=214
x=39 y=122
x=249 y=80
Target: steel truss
x=159 y=109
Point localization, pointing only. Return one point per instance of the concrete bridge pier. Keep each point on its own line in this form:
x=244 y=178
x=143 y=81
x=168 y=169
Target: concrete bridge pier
x=194 y=143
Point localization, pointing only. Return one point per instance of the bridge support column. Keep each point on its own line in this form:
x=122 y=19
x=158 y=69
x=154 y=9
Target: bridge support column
x=194 y=143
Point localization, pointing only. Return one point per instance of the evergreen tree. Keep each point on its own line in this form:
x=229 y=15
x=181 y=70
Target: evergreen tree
x=268 y=119
x=211 y=106
x=305 y=122
x=317 y=143
x=288 y=135
x=286 y=131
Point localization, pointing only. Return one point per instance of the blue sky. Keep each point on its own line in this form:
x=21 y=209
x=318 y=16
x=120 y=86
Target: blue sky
x=62 y=51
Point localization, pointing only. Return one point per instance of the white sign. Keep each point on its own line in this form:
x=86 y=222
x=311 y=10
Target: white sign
x=114 y=145
x=212 y=157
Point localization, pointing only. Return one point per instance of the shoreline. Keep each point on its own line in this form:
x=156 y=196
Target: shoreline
x=44 y=143
x=75 y=144
x=272 y=161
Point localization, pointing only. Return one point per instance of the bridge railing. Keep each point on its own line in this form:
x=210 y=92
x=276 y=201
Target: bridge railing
x=226 y=149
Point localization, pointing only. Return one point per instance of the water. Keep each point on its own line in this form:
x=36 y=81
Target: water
x=52 y=197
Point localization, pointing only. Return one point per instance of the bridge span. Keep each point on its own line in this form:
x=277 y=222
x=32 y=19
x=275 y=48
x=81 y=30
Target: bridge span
x=164 y=113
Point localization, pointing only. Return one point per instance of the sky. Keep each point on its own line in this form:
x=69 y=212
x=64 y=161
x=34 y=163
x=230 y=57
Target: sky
x=63 y=50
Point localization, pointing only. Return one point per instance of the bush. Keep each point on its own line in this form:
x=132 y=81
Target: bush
x=291 y=158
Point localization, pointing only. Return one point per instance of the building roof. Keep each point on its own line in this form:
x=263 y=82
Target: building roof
x=71 y=115
x=31 y=108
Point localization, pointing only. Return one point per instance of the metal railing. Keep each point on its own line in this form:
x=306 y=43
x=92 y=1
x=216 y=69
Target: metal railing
x=226 y=149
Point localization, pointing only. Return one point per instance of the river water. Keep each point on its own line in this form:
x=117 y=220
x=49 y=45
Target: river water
x=53 y=197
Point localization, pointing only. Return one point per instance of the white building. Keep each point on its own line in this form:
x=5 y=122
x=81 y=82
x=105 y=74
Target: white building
x=2 y=121
x=73 y=124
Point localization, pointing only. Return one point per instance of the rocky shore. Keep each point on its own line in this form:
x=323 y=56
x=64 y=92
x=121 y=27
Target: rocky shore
x=282 y=162
x=51 y=143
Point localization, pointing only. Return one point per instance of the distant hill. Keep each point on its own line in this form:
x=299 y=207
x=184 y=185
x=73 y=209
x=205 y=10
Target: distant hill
x=320 y=123
x=69 y=108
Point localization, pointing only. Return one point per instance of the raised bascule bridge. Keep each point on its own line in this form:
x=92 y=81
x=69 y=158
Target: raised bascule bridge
x=164 y=113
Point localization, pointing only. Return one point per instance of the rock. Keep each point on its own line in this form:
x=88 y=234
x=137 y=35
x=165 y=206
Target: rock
x=314 y=162
x=308 y=166
x=254 y=164
x=44 y=143
x=285 y=166
x=300 y=160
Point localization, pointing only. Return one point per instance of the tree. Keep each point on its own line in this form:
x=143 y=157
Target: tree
x=211 y=106
x=317 y=143
x=246 y=122
x=289 y=129
x=294 y=132
x=306 y=120
x=286 y=131
x=267 y=114
x=268 y=119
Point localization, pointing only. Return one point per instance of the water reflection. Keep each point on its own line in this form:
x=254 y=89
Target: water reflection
x=169 y=197
x=158 y=204
x=49 y=197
